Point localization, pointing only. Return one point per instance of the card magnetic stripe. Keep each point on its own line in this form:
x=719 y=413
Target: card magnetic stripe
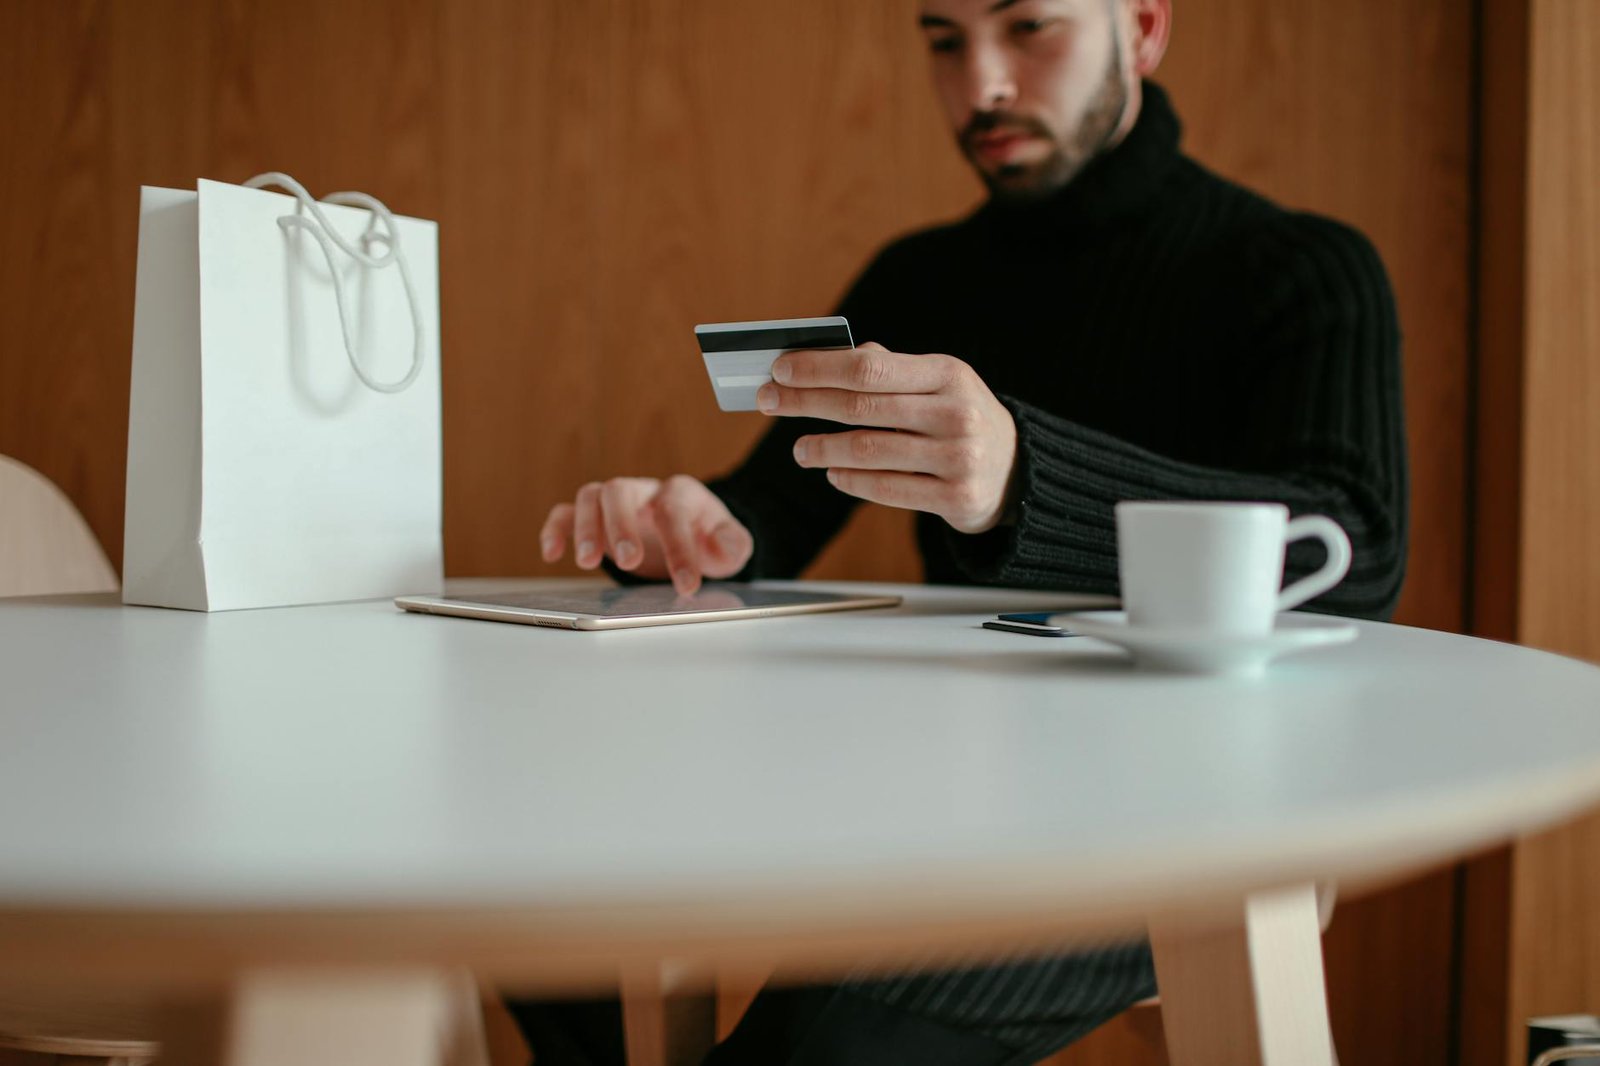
x=779 y=339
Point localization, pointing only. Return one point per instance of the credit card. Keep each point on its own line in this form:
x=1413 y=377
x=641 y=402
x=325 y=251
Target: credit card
x=739 y=355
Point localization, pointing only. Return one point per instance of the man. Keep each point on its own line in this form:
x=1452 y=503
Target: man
x=1114 y=323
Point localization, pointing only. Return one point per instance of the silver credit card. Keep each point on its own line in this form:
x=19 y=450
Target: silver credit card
x=739 y=355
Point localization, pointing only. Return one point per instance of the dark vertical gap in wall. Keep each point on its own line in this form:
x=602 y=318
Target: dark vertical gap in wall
x=1469 y=515
x=1458 y=959
x=1469 y=604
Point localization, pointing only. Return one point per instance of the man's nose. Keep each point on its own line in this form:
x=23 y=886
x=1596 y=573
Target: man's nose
x=992 y=85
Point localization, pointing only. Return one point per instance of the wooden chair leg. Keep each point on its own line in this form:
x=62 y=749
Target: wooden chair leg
x=319 y=1019
x=506 y=1044
x=467 y=1038
x=1246 y=991
x=737 y=988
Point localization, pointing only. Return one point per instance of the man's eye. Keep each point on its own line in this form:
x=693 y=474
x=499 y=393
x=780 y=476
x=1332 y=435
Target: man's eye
x=945 y=44
x=1028 y=27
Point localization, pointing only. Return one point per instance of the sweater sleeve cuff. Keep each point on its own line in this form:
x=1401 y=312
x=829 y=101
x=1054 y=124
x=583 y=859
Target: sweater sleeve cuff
x=1064 y=533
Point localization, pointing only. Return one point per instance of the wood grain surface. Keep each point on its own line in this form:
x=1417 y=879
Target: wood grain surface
x=607 y=173
x=1555 y=925
x=1560 y=587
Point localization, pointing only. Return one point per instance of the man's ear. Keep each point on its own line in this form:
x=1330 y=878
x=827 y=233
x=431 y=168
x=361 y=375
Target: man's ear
x=1152 y=27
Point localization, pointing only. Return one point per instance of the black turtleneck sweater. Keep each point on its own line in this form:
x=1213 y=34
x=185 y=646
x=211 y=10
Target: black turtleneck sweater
x=1157 y=333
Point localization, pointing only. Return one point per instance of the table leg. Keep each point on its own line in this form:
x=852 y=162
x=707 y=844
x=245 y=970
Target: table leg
x=1247 y=989
x=737 y=988
x=664 y=1027
x=295 y=1018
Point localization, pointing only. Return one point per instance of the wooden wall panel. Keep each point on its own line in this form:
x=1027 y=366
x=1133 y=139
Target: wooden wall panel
x=65 y=276
x=1555 y=929
x=637 y=168
x=1560 y=597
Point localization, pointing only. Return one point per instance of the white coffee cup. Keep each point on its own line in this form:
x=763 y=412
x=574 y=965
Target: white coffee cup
x=1217 y=567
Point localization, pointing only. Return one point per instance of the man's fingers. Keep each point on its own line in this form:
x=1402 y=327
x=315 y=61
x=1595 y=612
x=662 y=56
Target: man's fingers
x=869 y=368
x=872 y=449
x=727 y=547
x=673 y=516
x=676 y=529
x=557 y=531
x=918 y=413
x=913 y=492
x=586 y=528
x=623 y=542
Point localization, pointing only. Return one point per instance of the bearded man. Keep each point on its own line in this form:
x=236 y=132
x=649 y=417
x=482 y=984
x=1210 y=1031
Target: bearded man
x=1115 y=322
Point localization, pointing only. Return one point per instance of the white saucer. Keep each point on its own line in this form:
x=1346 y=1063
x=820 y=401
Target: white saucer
x=1200 y=652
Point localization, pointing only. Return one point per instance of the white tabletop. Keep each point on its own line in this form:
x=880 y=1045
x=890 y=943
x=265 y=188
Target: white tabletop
x=355 y=755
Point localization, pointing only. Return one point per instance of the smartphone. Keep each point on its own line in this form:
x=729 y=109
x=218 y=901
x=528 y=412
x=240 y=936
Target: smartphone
x=1034 y=623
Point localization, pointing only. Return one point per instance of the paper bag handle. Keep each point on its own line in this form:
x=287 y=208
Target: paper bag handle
x=324 y=233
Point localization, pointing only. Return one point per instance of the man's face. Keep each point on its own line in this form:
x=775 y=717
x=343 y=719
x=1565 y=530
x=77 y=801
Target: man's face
x=1035 y=89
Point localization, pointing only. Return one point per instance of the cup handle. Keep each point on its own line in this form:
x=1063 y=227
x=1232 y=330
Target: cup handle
x=1332 y=572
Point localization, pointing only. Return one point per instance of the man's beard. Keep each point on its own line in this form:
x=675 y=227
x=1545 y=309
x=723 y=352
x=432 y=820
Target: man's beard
x=1035 y=181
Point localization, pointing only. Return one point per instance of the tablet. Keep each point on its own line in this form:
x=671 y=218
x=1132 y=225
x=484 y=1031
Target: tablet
x=632 y=606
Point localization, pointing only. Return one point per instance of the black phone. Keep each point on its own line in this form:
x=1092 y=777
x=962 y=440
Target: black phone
x=1033 y=623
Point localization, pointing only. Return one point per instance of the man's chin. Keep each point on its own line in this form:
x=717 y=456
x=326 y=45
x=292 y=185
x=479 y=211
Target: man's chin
x=1027 y=182
x=1021 y=183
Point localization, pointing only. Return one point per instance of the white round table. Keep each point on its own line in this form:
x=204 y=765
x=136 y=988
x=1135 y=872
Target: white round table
x=186 y=798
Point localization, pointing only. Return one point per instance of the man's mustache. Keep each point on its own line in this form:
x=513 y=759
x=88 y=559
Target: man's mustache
x=984 y=123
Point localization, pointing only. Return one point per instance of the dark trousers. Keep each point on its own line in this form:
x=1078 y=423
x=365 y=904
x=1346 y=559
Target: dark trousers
x=1006 y=1015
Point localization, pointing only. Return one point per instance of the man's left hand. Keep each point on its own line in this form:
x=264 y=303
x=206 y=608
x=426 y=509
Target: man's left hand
x=956 y=445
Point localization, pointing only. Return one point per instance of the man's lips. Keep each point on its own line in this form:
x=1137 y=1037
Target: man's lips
x=1001 y=146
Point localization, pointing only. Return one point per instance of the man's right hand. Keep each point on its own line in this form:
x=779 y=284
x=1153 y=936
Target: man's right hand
x=675 y=528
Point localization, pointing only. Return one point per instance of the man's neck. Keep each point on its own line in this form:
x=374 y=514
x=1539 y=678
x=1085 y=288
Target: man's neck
x=1130 y=115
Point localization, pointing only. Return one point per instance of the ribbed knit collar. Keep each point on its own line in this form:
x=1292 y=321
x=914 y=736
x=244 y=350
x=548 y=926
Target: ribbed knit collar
x=1115 y=184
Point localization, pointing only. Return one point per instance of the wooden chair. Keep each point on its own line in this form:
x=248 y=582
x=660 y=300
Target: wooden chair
x=47 y=548
x=45 y=545
x=70 y=1030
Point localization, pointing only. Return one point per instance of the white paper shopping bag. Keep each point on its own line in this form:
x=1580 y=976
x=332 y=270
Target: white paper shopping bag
x=283 y=429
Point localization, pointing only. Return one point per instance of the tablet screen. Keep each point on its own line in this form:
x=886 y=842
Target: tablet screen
x=635 y=601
